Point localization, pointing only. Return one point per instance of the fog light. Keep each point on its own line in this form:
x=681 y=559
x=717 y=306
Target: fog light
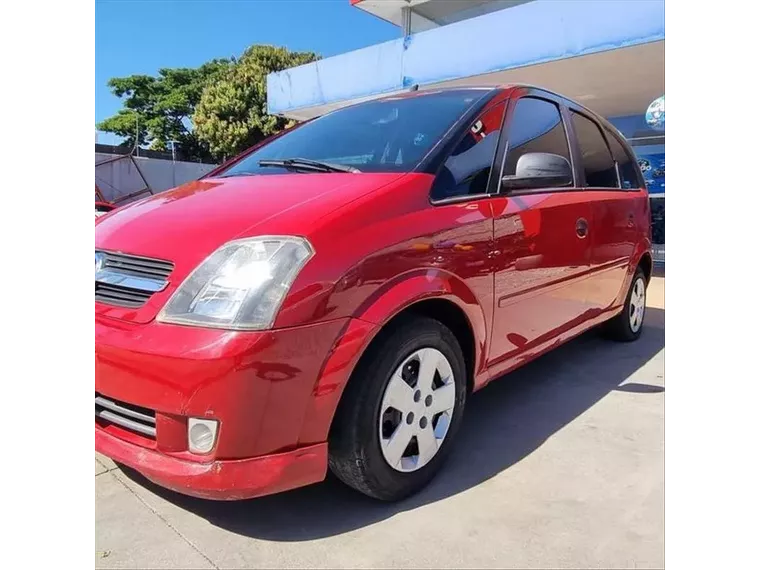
x=201 y=435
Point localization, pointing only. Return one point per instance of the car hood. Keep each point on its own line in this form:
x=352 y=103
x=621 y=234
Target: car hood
x=190 y=222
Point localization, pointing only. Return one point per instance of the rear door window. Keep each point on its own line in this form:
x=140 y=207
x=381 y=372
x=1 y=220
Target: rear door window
x=596 y=159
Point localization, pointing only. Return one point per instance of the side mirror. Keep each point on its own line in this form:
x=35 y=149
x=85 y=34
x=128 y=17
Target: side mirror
x=539 y=170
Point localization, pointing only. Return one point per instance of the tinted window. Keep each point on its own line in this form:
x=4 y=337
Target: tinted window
x=467 y=169
x=536 y=126
x=387 y=135
x=627 y=167
x=595 y=156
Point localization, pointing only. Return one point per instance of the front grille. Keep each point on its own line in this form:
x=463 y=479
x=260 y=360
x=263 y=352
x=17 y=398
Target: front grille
x=122 y=296
x=129 y=280
x=138 y=266
x=128 y=416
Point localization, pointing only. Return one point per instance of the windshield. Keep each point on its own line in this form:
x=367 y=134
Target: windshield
x=388 y=135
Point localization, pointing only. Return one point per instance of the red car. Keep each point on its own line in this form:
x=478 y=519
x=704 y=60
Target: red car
x=102 y=207
x=332 y=297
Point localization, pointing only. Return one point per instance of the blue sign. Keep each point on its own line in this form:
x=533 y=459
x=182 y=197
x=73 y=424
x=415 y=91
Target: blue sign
x=651 y=159
x=653 y=167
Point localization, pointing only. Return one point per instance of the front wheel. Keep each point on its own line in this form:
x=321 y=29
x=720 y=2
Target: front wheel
x=401 y=410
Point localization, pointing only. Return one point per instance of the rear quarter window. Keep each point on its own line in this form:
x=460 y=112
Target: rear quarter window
x=627 y=165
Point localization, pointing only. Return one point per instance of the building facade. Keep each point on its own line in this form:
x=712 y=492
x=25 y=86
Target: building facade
x=608 y=55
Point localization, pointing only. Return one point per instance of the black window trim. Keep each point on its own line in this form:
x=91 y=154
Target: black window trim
x=455 y=136
x=611 y=132
x=578 y=110
x=433 y=162
x=560 y=103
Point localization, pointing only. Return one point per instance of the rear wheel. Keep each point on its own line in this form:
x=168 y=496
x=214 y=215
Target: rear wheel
x=627 y=325
x=401 y=410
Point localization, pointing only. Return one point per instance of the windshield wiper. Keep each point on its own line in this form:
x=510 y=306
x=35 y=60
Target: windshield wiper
x=236 y=174
x=307 y=164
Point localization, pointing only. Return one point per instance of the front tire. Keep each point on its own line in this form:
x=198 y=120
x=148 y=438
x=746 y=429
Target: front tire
x=401 y=410
x=627 y=325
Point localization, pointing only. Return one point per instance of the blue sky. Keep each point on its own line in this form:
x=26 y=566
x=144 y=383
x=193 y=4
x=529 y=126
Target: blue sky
x=141 y=36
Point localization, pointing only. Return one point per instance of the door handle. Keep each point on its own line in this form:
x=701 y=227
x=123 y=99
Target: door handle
x=631 y=220
x=581 y=228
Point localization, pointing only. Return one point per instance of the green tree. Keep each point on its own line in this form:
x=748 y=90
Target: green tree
x=158 y=109
x=232 y=113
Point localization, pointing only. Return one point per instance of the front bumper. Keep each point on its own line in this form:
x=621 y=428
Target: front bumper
x=272 y=392
x=220 y=480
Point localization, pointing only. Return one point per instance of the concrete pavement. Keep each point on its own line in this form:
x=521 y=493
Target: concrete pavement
x=560 y=464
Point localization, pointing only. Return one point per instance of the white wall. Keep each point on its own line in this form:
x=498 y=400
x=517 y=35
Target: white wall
x=120 y=178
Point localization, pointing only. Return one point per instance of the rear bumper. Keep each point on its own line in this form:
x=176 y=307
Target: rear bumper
x=221 y=479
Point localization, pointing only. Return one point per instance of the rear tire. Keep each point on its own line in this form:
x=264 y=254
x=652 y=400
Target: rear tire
x=393 y=397
x=628 y=324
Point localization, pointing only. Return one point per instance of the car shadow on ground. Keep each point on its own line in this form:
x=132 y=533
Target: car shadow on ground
x=505 y=422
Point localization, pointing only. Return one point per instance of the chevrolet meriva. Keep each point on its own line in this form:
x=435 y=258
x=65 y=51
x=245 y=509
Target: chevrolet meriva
x=331 y=297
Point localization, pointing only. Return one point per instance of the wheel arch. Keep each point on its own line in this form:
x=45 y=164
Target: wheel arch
x=432 y=293
x=453 y=317
x=440 y=295
x=642 y=258
x=646 y=264
x=438 y=308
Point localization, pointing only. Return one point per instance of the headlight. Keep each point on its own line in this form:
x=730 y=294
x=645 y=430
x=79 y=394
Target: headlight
x=241 y=286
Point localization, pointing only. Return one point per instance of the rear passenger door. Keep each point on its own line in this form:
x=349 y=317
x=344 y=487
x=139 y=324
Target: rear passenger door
x=612 y=230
